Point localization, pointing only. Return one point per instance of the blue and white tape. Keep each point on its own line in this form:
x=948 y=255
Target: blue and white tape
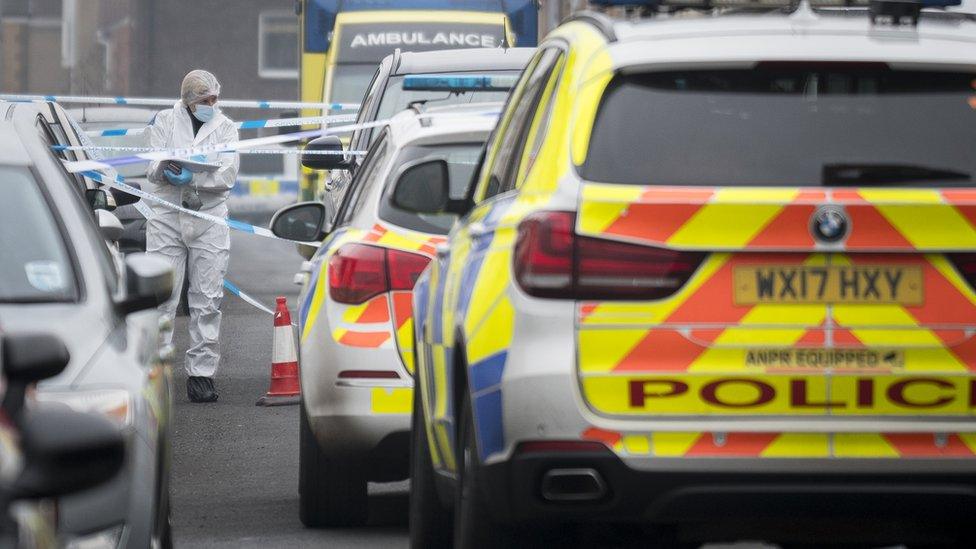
x=243 y=125
x=118 y=182
x=108 y=148
x=232 y=288
x=161 y=102
x=233 y=146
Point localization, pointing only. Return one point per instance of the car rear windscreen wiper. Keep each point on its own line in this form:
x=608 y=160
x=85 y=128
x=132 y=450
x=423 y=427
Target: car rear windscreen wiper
x=886 y=174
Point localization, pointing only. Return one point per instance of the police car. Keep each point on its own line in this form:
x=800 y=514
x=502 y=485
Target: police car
x=715 y=275
x=396 y=84
x=356 y=314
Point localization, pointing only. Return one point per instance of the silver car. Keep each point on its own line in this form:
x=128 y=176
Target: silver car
x=58 y=276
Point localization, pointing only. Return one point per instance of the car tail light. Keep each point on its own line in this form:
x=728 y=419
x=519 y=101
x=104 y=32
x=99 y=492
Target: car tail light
x=966 y=265
x=405 y=268
x=358 y=272
x=552 y=261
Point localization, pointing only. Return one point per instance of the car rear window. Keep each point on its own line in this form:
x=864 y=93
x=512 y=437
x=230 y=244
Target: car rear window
x=461 y=160
x=395 y=98
x=35 y=265
x=786 y=124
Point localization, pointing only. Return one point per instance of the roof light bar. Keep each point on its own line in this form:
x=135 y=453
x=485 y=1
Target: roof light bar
x=459 y=83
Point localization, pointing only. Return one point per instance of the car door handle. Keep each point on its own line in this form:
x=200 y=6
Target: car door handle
x=306 y=267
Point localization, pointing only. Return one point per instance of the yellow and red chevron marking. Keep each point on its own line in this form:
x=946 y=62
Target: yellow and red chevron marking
x=693 y=348
x=706 y=303
x=749 y=218
x=402 y=239
x=369 y=324
x=365 y=325
x=403 y=324
x=787 y=445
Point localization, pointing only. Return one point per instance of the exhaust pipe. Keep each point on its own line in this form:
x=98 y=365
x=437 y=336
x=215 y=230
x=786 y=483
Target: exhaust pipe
x=582 y=484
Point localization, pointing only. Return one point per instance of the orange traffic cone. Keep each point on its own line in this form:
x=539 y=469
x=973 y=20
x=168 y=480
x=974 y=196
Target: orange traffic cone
x=284 y=362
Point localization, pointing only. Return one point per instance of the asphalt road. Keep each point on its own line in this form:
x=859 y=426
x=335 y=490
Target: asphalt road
x=235 y=465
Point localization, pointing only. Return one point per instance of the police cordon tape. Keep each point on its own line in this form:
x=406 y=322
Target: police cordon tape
x=233 y=146
x=108 y=148
x=118 y=182
x=234 y=289
x=162 y=102
x=243 y=125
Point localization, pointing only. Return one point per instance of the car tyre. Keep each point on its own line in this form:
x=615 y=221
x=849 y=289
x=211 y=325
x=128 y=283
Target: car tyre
x=431 y=525
x=166 y=542
x=473 y=527
x=331 y=492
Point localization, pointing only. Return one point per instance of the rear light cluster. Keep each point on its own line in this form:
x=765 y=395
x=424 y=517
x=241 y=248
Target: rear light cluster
x=358 y=272
x=965 y=263
x=551 y=260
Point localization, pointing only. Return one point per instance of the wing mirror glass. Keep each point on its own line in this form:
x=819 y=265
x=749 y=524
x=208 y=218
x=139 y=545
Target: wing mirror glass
x=109 y=225
x=97 y=199
x=123 y=198
x=423 y=187
x=325 y=161
x=66 y=452
x=305 y=222
x=148 y=282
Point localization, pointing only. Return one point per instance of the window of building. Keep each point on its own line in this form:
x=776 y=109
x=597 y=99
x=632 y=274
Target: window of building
x=277 y=45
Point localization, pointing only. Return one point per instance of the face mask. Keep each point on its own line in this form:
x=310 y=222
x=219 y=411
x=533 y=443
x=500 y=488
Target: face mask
x=205 y=113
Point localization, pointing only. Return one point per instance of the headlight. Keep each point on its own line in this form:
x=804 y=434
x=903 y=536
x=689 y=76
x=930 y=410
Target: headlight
x=104 y=539
x=115 y=404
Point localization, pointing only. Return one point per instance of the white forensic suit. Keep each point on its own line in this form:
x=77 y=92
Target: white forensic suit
x=193 y=245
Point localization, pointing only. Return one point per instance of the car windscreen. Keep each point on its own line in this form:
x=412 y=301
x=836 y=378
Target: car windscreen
x=395 y=98
x=461 y=160
x=35 y=265
x=790 y=124
x=349 y=83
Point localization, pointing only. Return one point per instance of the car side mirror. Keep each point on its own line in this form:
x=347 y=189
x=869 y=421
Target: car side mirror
x=65 y=452
x=325 y=161
x=423 y=187
x=123 y=198
x=109 y=225
x=148 y=282
x=97 y=199
x=304 y=222
x=27 y=359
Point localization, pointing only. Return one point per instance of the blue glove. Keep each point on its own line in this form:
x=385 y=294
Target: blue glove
x=178 y=179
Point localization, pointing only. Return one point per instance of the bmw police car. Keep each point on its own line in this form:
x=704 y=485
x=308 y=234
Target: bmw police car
x=716 y=275
x=356 y=311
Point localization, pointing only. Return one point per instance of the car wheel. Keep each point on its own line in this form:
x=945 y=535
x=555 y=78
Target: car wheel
x=331 y=492
x=473 y=527
x=166 y=542
x=430 y=523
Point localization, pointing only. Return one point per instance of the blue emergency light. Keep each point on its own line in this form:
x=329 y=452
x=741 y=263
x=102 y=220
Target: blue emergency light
x=459 y=83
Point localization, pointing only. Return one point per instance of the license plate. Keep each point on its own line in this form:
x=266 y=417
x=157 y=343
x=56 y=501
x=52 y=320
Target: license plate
x=836 y=284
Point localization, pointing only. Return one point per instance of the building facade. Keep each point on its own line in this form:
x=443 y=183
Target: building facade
x=144 y=47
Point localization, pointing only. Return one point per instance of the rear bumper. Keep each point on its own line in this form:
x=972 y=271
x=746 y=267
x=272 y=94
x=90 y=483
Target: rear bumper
x=742 y=497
